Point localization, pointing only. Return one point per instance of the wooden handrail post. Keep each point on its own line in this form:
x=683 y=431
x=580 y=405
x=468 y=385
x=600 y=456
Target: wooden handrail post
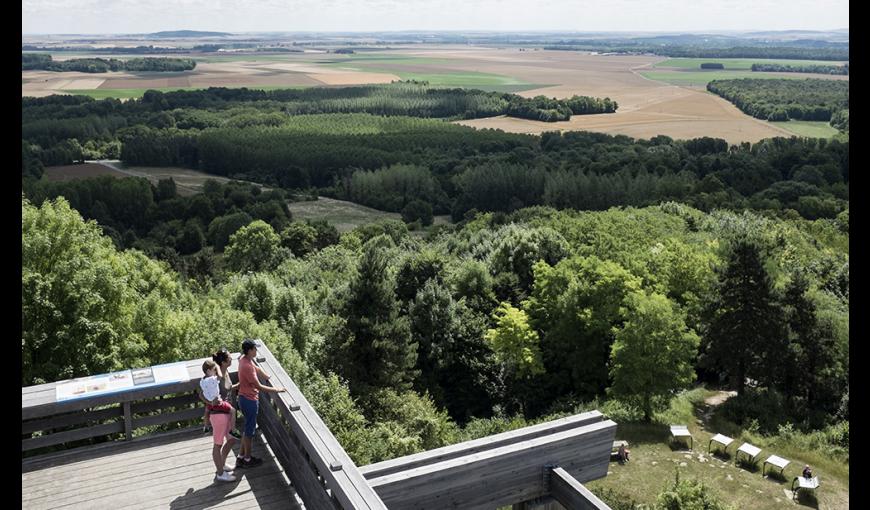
x=128 y=422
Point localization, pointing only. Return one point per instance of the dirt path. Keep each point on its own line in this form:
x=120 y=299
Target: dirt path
x=711 y=402
x=719 y=397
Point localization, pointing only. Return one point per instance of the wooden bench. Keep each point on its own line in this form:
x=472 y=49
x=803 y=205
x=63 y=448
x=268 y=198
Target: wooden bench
x=750 y=451
x=723 y=440
x=678 y=431
x=775 y=461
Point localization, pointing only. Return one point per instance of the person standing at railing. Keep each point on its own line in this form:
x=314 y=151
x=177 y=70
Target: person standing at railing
x=249 y=401
x=222 y=358
x=221 y=418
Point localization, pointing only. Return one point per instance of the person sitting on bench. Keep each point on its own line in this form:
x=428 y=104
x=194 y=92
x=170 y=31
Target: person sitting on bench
x=623 y=453
x=808 y=473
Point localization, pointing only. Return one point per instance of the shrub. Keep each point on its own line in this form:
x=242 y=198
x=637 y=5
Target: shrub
x=689 y=495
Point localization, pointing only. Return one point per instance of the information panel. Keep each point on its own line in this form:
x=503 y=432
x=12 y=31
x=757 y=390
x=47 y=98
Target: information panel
x=120 y=381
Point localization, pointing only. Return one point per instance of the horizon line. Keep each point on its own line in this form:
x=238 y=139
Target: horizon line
x=542 y=31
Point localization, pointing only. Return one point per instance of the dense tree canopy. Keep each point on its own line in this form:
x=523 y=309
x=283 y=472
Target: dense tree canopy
x=782 y=99
x=42 y=61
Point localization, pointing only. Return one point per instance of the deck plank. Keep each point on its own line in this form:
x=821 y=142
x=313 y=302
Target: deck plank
x=165 y=472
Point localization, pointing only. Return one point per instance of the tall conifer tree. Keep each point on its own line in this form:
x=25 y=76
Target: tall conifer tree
x=380 y=354
x=745 y=331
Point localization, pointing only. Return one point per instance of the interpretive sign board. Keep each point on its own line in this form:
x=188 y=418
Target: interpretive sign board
x=120 y=381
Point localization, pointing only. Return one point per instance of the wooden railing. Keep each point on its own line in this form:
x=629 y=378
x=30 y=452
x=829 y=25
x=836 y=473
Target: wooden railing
x=47 y=422
x=321 y=471
x=502 y=469
x=542 y=461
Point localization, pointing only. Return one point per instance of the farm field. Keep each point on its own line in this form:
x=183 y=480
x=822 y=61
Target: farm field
x=72 y=172
x=812 y=129
x=188 y=182
x=647 y=107
x=687 y=72
x=700 y=78
x=738 y=64
x=345 y=216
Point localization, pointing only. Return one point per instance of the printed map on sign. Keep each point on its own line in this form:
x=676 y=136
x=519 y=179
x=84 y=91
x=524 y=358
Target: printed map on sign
x=120 y=381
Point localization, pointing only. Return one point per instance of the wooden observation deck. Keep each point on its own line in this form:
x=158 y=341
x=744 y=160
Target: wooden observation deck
x=304 y=466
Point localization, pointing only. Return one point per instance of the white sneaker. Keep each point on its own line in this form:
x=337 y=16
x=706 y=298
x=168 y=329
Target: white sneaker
x=225 y=477
x=228 y=468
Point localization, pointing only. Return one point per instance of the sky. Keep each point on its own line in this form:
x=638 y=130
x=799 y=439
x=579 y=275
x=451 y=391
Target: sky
x=137 y=16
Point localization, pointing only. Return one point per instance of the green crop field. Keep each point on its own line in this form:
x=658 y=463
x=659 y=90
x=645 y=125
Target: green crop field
x=702 y=78
x=812 y=129
x=737 y=64
x=465 y=79
x=384 y=58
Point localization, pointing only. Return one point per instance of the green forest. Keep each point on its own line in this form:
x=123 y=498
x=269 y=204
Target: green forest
x=390 y=161
x=525 y=315
x=43 y=61
x=816 y=69
x=572 y=260
x=782 y=99
x=692 y=51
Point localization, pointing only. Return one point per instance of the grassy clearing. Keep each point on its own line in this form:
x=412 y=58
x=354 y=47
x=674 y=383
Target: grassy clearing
x=812 y=129
x=702 y=78
x=346 y=216
x=738 y=64
x=654 y=460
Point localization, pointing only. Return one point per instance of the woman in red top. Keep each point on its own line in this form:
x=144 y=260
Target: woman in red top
x=249 y=399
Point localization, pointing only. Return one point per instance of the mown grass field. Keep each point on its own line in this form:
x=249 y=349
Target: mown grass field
x=655 y=461
x=737 y=64
x=345 y=216
x=464 y=79
x=812 y=129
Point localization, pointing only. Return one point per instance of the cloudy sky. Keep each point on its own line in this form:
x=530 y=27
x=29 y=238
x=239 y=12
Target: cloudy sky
x=140 y=16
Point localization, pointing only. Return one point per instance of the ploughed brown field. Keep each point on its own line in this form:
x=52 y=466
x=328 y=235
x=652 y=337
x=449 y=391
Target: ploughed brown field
x=646 y=107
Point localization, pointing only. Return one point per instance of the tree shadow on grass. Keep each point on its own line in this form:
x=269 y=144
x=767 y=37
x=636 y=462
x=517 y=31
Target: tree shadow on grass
x=721 y=455
x=748 y=465
x=774 y=476
x=640 y=433
x=680 y=446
